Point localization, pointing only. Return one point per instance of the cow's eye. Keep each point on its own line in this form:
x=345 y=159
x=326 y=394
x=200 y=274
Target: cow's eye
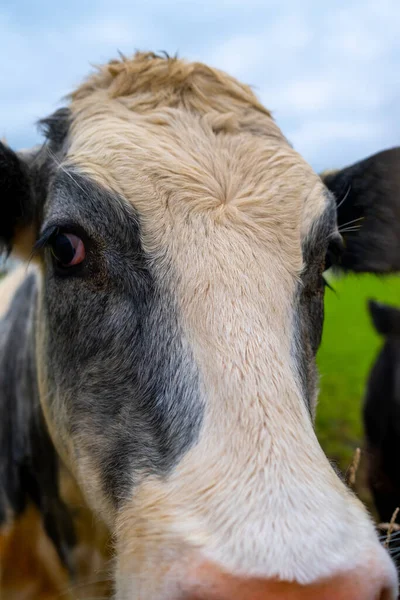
x=68 y=249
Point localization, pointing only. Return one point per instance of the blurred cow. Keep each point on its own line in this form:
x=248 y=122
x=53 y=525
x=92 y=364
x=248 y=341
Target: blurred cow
x=163 y=347
x=382 y=413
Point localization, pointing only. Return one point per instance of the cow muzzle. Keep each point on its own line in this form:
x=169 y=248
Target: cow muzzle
x=376 y=580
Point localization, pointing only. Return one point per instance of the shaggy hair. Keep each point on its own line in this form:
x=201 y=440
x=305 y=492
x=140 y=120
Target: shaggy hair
x=148 y=82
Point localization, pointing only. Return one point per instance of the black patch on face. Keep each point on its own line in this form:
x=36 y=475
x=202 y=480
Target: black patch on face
x=382 y=414
x=116 y=356
x=28 y=466
x=309 y=310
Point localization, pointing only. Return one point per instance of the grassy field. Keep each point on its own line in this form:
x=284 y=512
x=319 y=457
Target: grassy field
x=348 y=350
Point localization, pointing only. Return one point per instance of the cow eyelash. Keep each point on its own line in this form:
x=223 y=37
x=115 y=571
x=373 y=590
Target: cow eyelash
x=50 y=232
x=45 y=238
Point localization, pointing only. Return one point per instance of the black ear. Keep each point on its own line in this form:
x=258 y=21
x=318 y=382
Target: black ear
x=17 y=199
x=386 y=319
x=368 y=201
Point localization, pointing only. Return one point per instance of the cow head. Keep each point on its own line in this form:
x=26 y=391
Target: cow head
x=386 y=319
x=181 y=244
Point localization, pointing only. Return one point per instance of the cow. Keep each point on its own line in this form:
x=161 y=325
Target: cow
x=382 y=413
x=160 y=347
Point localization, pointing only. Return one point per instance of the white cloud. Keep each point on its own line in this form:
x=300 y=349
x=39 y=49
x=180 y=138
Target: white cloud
x=322 y=92
x=329 y=80
x=237 y=55
x=112 y=32
x=248 y=54
x=328 y=72
x=331 y=143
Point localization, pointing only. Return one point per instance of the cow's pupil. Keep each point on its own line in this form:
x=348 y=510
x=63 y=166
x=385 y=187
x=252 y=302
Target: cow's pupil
x=63 y=249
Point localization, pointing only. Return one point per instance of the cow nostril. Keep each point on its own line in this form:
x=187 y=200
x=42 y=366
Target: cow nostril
x=386 y=594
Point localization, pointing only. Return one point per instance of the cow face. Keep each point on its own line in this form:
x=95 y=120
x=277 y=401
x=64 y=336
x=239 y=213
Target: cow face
x=180 y=244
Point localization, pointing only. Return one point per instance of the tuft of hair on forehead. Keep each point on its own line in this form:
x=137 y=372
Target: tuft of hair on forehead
x=191 y=131
x=147 y=82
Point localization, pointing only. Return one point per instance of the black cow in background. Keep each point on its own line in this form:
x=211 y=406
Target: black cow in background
x=382 y=413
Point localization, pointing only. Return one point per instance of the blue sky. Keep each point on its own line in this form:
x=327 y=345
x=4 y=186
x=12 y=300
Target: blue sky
x=329 y=71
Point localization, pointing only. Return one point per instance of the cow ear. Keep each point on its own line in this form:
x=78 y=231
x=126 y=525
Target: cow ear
x=386 y=319
x=368 y=203
x=18 y=210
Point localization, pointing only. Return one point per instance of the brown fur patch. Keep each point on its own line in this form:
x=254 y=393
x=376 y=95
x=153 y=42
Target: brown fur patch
x=30 y=568
x=23 y=243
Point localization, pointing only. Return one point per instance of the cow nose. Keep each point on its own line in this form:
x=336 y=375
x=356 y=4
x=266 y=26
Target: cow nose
x=331 y=589
x=371 y=582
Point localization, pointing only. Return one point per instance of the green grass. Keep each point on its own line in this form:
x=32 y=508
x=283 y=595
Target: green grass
x=348 y=350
